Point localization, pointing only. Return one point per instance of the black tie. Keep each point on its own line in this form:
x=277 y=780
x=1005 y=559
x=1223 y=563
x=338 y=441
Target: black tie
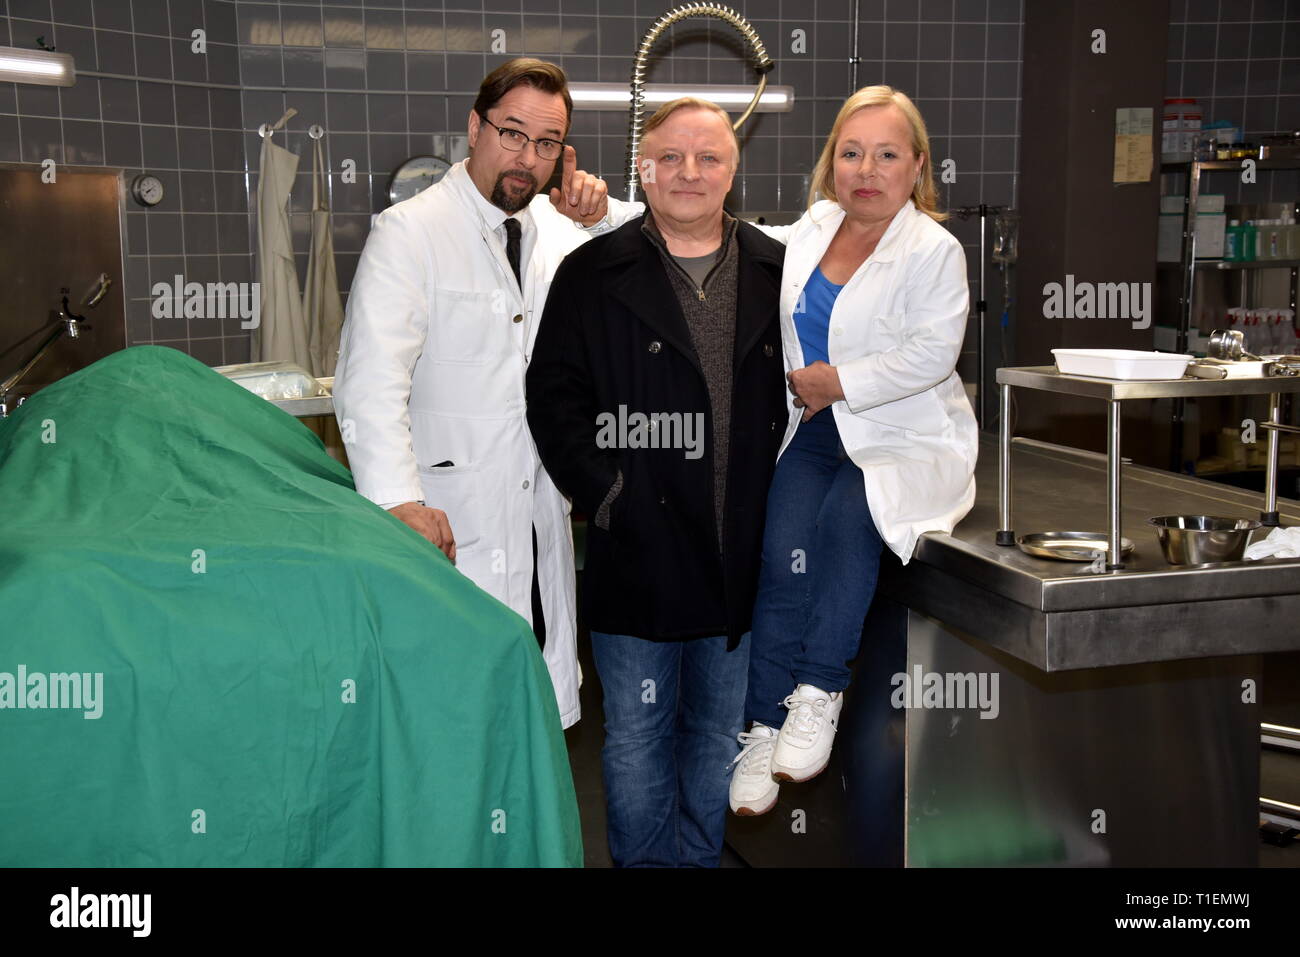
x=512 y=253
x=512 y=248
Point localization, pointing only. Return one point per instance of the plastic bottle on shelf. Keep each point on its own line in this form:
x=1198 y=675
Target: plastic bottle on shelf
x=1232 y=240
x=1261 y=238
x=1278 y=336
x=1237 y=319
x=1290 y=335
x=1248 y=240
x=1180 y=128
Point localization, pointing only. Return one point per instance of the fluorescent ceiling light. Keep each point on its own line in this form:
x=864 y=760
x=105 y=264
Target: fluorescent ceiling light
x=42 y=67
x=618 y=96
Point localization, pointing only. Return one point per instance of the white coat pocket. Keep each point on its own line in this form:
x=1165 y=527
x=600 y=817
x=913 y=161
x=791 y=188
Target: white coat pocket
x=465 y=325
x=922 y=413
x=889 y=329
x=455 y=490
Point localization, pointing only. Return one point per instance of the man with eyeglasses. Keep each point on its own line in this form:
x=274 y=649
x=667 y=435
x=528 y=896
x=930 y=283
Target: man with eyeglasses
x=441 y=318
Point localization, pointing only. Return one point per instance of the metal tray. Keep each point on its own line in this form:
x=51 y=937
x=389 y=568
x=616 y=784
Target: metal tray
x=1070 y=546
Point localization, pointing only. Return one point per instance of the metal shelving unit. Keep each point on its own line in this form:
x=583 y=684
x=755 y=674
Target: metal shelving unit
x=1189 y=265
x=1232 y=264
x=1113 y=392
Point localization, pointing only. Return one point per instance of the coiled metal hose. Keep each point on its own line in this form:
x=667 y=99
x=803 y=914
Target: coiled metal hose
x=762 y=64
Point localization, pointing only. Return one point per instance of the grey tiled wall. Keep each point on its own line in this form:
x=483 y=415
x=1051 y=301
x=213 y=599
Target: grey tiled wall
x=143 y=100
x=1240 y=59
x=384 y=77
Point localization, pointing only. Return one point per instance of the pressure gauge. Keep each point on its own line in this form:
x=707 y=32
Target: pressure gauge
x=414 y=176
x=147 y=190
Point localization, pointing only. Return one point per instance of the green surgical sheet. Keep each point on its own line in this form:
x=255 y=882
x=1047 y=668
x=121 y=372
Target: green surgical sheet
x=290 y=676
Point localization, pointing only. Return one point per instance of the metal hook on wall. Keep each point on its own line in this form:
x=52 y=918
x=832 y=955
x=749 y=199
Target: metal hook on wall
x=266 y=129
x=315 y=131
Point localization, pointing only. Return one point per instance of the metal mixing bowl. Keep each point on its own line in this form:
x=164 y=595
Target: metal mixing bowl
x=1196 y=539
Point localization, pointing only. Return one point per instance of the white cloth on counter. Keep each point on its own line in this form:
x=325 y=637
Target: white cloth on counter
x=1280 y=543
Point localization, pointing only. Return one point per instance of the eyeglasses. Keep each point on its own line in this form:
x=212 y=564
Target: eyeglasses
x=515 y=140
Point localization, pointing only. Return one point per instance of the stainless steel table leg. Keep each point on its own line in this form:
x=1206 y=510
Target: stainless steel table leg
x=1005 y=536
x=1114 y=466
x=1269 y=516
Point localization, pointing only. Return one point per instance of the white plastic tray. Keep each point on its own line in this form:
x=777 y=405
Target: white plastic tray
x=1121 y=363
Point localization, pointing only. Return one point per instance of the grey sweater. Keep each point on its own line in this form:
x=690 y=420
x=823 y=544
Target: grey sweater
x=710 y=312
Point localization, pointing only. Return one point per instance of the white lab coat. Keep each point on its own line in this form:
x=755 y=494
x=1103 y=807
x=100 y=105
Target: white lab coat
x=896 y=330
x=431 y=369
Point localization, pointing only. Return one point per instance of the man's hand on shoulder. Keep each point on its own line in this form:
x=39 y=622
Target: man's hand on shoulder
x=432 y=523
x=582 y=197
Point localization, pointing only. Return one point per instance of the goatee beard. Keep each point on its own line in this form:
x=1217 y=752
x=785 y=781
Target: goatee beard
x=513 y=202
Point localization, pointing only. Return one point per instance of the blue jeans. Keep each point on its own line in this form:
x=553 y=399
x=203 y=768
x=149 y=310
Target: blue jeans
x=821 y=556
x=669 y=746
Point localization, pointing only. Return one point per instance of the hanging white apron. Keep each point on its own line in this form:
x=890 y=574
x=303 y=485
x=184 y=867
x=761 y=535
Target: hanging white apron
x=321 y=304
x=282 y=332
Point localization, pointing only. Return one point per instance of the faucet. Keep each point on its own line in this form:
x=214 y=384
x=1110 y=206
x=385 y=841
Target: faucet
x=69 y=323
x=763 y=65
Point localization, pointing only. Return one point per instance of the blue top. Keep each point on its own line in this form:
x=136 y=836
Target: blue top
x=813 y=320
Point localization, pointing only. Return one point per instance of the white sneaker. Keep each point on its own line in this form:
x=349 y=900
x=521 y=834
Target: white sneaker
x=753 y=791
x=803 y=747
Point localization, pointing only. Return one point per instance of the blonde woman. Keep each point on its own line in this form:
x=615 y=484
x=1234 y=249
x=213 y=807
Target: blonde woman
x=881 y=441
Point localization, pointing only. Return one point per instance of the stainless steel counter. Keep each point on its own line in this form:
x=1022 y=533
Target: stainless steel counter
x=1049 y=379
x=309 y=406
x=1114 y=392
x=1060 y=615
x=1124 y=727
